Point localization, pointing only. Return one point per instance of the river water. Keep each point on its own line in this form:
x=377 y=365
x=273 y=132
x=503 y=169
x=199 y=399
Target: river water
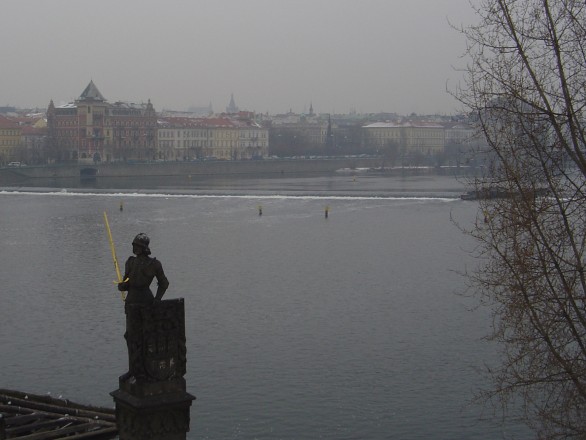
x=298 y=326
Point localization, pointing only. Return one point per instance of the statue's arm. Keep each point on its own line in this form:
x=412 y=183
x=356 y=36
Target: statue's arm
x=162 y=281
x=123 y=286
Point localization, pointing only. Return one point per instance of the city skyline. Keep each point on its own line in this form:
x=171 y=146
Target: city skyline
x=369 y=56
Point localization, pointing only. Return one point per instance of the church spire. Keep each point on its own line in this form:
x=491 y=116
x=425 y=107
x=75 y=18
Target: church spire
x=232 y=106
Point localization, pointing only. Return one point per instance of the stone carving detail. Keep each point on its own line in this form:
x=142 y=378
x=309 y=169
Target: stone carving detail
x=156 y=341
x=164 y=341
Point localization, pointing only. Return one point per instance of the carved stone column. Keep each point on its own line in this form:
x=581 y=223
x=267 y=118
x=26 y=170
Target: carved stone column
x=152 y=402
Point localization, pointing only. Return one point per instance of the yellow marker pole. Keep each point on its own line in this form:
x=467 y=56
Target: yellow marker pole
x=113 y=249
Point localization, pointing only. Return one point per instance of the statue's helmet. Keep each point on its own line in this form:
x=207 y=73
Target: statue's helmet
x=143 y=241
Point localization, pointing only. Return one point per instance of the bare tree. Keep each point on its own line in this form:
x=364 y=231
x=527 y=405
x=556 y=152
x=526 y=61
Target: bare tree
x=526 y=83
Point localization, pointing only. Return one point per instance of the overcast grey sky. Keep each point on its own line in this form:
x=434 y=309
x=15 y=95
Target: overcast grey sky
x=274 y=55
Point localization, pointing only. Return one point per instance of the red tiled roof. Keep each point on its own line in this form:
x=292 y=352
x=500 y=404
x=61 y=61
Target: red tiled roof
x=8 y=122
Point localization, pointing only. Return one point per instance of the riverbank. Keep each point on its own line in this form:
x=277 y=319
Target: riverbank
x=138 y=175
x=197 y=168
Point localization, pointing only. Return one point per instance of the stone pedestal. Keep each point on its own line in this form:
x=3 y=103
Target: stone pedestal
x=163 y=417
x=152 y=402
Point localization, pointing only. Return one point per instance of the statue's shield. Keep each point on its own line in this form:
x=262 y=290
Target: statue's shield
x=164 y=341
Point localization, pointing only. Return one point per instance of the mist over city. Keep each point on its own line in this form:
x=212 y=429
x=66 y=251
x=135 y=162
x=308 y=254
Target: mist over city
x=275 y=56
x=292 y=219
x=307 y=76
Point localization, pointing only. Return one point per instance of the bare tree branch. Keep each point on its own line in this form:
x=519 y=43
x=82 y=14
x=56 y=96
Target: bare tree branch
x=526 y=87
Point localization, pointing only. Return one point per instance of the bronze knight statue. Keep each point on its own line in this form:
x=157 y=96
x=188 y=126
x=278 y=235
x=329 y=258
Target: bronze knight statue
x=140 y=270
x=152 y=402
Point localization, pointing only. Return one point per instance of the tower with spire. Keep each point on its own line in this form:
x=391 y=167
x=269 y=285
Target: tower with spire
x=232 y=106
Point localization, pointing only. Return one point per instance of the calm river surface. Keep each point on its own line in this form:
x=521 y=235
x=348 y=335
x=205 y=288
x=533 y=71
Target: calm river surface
x=298 y=326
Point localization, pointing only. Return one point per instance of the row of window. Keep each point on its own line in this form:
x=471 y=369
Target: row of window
x=253 y=134
x=118 y=133
x=186 y=144
x=204 y=144
x=209 y=133
x=412 y=134
x=119 y=123
x=115 y=123
x=66 y=123
x=186 y=134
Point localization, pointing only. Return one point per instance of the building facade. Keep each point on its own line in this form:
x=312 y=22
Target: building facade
x=421 y=137
x=253 y=142
x=92 y=129
x=33 y=144
x=10 y=140
x=222 y=138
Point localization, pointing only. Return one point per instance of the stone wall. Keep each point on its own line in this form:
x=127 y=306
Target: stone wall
x=260 y=167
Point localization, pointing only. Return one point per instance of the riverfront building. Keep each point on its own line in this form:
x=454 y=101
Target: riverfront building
x=236 y=137
x=10 y=136
x=419 y=136
x=92 y=130
x=427 y=138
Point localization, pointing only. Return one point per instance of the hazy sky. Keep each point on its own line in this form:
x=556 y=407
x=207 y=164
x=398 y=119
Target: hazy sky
x=274 y=55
